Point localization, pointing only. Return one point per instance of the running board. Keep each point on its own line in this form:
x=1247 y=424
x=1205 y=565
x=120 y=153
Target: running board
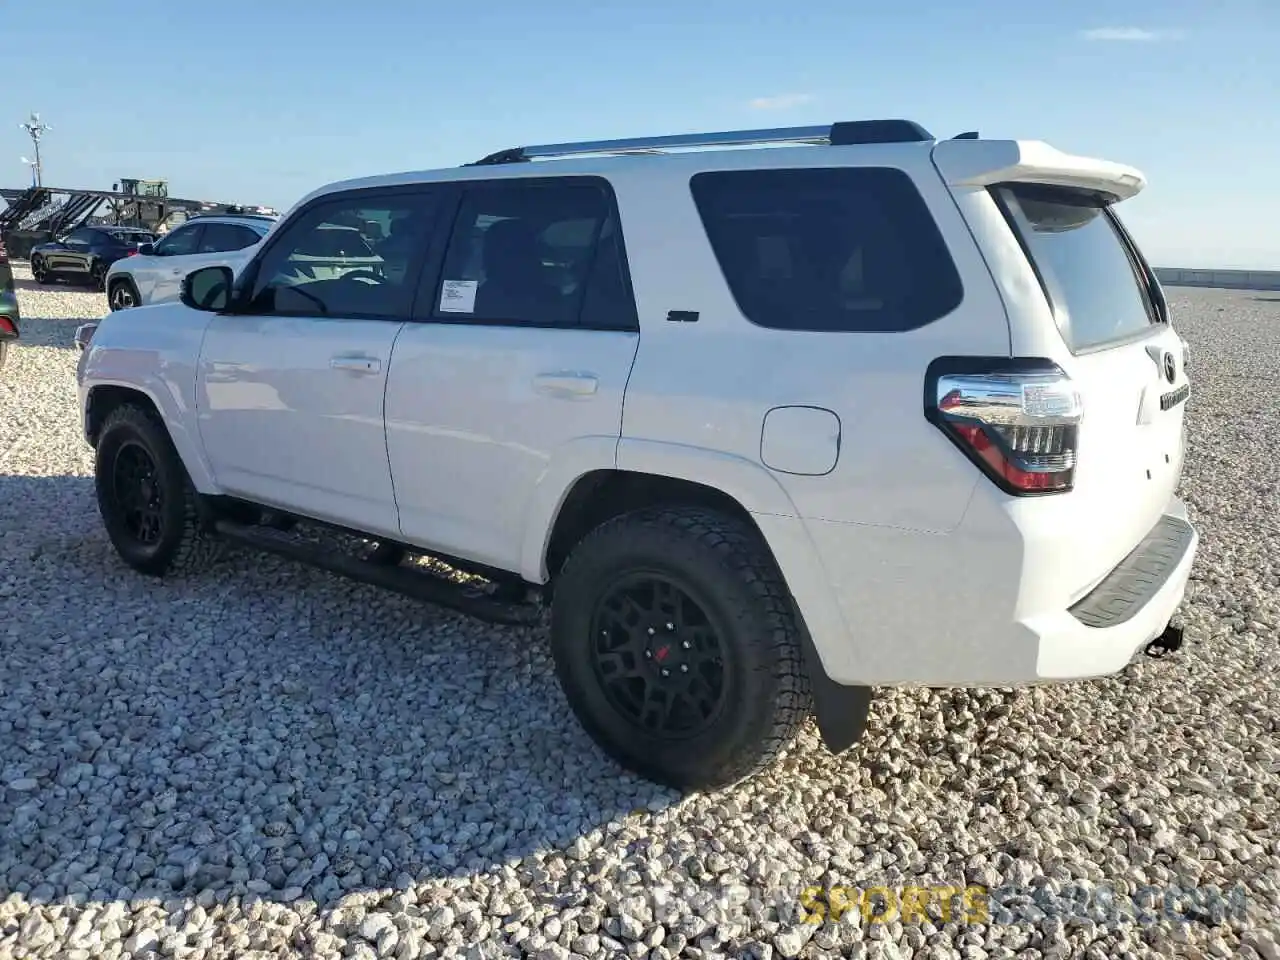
x=419 y=586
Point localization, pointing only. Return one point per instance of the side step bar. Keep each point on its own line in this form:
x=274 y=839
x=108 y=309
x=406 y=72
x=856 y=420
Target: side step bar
x=419 y=586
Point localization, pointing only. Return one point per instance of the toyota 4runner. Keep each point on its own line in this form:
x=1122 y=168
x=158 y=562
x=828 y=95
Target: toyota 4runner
x=762 y=428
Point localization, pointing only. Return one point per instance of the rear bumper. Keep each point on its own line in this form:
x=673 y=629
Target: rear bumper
x=1101 y=632
x=895 y=607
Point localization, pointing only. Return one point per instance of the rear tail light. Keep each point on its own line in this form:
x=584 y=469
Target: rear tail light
x=1018 y=420
x=8 y=329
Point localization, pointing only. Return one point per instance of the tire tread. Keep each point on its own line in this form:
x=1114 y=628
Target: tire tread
x=198 y=547
x=742 y=553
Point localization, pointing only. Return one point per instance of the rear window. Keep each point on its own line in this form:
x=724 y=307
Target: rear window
x=1098 y=289
x=851 y=249
x=130 y=236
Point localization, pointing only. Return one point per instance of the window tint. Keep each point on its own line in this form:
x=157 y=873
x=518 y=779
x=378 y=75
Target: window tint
x=223 y=237
x=83 y=236
x=844 y=249
x=127 y=237
x=1097 y=291
x=538 y=252
x=180 y=242
x=336 y=259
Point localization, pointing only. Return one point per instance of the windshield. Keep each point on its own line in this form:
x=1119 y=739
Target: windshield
x=1099 y=293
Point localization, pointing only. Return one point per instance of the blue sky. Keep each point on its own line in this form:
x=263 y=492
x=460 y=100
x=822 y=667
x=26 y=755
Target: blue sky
x=260 y=102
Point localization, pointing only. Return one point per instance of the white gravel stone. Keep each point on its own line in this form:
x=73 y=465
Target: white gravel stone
x=269 y=761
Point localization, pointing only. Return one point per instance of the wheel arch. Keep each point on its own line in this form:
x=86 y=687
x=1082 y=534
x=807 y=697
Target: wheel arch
x=103 y=397
x=596 y=496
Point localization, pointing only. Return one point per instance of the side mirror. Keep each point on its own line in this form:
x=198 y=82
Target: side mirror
x=147 y=250
x=208 y=288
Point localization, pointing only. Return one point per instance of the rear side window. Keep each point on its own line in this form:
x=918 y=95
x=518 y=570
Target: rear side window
x=851 y=249
x=1093 y=279
x=545 y=253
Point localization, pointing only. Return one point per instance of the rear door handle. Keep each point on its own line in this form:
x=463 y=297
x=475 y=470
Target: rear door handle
x=356 y=364
x=566 y=384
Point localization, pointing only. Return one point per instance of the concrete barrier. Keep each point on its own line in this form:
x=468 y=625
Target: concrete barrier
x=1226 y=279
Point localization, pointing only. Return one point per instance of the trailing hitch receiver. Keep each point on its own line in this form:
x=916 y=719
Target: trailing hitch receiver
x=1165 y=644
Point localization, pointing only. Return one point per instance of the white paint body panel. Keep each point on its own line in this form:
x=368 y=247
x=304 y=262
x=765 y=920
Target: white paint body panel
x=800 y=440
x=155 y=350
x=282 y=426
x=906 y=563
x=477 y=418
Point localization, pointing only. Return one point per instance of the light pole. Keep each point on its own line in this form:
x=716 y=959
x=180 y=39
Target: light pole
x=32 y=165
x=35 y=130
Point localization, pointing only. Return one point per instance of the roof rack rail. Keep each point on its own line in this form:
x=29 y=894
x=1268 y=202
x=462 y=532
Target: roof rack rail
x=845 y=133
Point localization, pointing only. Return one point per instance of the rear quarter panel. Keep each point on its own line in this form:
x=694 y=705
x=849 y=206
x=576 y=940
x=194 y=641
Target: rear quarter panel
x=707 y=386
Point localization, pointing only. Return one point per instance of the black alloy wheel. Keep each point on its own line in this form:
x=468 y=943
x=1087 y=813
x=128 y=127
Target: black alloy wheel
x=138 y=494
x=658 y=656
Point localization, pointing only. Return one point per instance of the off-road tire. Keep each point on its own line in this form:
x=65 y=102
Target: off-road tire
x=185 y=545
x=725 y=563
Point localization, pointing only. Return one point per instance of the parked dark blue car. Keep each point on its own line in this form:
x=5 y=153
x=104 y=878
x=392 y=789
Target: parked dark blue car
x=85 y=255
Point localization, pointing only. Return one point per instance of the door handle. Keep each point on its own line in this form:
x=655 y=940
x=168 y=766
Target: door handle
x=356 y=364
x=566 y=384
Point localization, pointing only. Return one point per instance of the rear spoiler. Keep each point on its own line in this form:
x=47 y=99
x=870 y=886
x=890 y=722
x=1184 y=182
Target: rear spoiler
x=983 y=163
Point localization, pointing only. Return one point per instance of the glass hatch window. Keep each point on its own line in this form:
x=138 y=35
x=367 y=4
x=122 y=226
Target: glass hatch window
x=1098 y=290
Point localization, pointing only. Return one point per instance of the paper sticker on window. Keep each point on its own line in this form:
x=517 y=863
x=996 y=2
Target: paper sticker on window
x=458 y=296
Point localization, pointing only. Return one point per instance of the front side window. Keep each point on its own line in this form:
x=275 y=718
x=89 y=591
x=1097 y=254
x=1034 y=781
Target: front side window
x=1096 y=286
x=843 y=249
x=546 y=253
x=180 y=242
x=332 y=259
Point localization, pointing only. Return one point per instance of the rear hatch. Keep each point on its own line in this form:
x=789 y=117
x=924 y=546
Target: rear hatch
x=1107 y=327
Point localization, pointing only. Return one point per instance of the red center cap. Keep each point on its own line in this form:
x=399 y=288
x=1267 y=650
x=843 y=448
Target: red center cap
x=661 y=653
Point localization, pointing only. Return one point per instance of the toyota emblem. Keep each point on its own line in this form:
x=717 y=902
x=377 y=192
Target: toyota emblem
x=1170 y=367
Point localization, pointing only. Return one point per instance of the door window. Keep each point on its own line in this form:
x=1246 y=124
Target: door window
x=225 y=237
x=354 y=257
x=180 y=242
x=544 y=253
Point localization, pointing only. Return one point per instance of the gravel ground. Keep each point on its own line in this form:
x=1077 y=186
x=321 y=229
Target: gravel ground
x=268 y=761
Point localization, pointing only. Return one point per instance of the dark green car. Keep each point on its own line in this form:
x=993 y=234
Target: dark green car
x=8 y=305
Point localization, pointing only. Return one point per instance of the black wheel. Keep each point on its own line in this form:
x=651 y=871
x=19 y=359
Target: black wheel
x=123 y=295
x=676 y=644
x=98 y=277
x=145 y=497
x=40 y=271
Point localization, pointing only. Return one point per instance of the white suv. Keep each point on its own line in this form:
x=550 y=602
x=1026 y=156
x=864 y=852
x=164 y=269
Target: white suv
x=155 y=274
x=763 y=428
